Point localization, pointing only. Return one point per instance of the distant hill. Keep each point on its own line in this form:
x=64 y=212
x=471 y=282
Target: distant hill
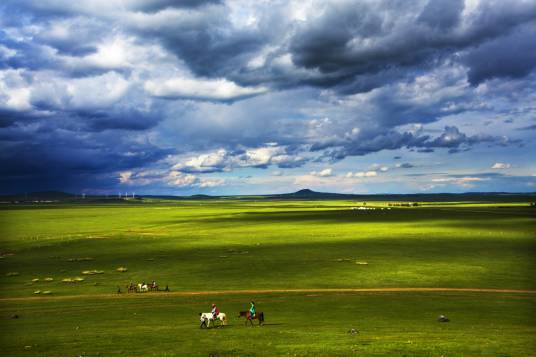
x=307 y=194
x=304 y=194
x=310 y=194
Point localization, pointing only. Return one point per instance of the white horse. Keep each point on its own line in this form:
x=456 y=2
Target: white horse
x=142 y=287
x=206 y=318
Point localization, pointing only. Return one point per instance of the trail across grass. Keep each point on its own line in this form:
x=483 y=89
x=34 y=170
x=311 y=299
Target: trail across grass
x=149 y=295
x=316 y=268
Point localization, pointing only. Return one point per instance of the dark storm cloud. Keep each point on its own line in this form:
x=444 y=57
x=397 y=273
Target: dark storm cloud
x=372 y=37
x=367 y=143
x=204 y=39
x=127 y=119
x=512 y=56
x=156 y=5
x=451 y=138
x=56 y=159
x=48 y=54
x=480 y=175
x=26 y=55
x=77 y=37
x=64 y=8
x=9 y=117
x=530 y=127
x=442 y=14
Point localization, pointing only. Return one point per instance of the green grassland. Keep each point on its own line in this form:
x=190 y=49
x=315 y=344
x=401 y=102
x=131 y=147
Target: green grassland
x=226 y=245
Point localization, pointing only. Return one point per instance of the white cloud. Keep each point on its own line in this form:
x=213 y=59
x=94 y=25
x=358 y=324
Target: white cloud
x=223 y=160
x=466 y=182
x=210 y=182
x=214 y=161
x=14 y=90
x=124 y=177
x=324 y=173
x=80 y=93
x=110 y=55
x=382 y=168
x=186 y=88
x=260 y=156
x=176 y=178
x=179 y=179
x=362 y=174
x=170 y=178
x=501 y=166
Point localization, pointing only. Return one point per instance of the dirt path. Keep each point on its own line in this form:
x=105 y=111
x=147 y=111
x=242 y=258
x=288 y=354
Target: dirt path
x=265 y=291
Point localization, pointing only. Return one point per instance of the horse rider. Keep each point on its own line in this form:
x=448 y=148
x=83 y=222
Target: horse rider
x=252 y=311
x=215 y=311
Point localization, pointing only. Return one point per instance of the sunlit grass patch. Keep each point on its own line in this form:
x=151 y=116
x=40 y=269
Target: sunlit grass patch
x=73 y=280
x=92 y=272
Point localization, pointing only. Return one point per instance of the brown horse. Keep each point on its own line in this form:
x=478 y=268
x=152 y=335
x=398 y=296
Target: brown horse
x=131 y=288
x=258 y=316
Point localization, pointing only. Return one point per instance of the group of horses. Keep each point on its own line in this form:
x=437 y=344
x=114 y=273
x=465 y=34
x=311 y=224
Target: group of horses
x=142 y=287
x=207 y=318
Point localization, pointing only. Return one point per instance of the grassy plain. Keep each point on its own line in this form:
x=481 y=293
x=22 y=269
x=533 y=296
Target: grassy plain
x=240 y=245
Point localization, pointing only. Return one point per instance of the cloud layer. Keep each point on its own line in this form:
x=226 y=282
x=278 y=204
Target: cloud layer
x=188 y=96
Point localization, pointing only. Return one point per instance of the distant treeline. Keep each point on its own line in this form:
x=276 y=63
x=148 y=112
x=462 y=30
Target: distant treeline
x=403 y=204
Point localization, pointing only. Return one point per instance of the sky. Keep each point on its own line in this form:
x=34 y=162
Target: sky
x=258 y=97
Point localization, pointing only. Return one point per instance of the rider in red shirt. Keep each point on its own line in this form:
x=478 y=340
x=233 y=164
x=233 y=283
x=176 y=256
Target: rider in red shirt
x=215 y=311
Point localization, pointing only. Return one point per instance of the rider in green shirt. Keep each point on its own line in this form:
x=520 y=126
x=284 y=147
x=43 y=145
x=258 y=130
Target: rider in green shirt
x=252 y=310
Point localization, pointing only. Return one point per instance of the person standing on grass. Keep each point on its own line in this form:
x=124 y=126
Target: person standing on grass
x=252 y=311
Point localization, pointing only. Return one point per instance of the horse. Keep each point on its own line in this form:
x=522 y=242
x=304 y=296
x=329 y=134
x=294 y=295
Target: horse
x=258 y=316
x=153 y=286
x=206 y=318
x=142 y=287
x=131 y=288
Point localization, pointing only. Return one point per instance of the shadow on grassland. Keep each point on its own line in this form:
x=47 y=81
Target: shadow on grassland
x=424 y=262
x=429 y=216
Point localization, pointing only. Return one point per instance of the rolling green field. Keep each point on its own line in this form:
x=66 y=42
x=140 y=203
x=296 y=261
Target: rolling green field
x=228 y=246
